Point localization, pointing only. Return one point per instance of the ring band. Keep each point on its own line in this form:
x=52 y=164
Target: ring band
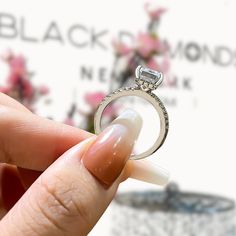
x=146 y=81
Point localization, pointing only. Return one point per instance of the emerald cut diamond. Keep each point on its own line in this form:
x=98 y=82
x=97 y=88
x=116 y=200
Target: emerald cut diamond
x=148 y=79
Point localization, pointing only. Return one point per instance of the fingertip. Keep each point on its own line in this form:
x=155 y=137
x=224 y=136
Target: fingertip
x=79 y=149
x=107 y=156
x=150 y=172
x=127 y=171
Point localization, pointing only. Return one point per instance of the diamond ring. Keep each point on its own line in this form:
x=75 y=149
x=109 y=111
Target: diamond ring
x=146 y=81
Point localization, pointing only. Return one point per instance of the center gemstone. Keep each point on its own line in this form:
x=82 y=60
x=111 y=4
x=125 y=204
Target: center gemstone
x=147 y=79
x=149 y=75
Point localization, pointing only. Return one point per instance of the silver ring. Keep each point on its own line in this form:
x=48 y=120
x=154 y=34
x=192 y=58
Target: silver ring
x=146 y=81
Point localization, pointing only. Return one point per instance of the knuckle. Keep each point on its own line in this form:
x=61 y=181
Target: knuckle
x=50 y=210
x=53 y=190
x=64 y=199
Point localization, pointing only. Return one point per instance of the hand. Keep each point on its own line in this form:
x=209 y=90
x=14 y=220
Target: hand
x=58 y=179
x=66 y=199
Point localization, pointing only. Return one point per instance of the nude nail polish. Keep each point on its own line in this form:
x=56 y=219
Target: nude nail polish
x=107 y=156
x=148 y=171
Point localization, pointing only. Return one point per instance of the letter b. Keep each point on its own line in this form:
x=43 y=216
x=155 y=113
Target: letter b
x=7 y=26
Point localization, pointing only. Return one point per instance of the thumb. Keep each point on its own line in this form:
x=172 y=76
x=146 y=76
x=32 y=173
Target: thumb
x=72 y=194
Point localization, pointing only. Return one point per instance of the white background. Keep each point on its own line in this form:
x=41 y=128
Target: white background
x=200 y=148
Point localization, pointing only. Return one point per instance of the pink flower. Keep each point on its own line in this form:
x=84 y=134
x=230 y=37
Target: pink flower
x=121 y=49
x=13 y=79
x=152 y=64
x=162 y=66
x=147 y=44
x=18 y=70
x=154 y=13
x=165 y=65
x=17 y=65
x=43 y=90
x=18 y=84
x=7 y=55
x=5 y=90
x=28 y=89
x=111 y=110
x=163 y=47
x=69 y=121
x=93 y=99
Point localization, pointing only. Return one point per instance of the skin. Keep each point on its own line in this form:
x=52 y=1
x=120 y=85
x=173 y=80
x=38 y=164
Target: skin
x=108 y=154
x=45 y=188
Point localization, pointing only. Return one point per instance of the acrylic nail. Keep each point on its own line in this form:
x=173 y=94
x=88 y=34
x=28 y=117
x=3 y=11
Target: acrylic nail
x=149 y=172
x=108 y=154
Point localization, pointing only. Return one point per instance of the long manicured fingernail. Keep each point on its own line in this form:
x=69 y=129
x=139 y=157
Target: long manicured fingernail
x=107 y=156
x=149 y=172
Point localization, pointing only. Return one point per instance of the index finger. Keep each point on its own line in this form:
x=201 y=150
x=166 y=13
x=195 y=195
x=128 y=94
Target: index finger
x=10 y=102
x=33 y=142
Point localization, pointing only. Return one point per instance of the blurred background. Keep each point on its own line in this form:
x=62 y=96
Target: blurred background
x=61 y=58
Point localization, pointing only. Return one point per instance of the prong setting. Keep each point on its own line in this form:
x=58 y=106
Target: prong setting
x=148 y=79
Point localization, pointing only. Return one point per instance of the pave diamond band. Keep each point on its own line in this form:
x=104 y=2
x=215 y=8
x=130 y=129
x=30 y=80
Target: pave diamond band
x=144 y=92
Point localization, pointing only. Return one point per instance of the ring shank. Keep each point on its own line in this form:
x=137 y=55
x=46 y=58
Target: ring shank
x=153 y=100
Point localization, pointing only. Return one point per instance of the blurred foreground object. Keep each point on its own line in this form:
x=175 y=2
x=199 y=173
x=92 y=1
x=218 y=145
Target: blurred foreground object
x=173 y=213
